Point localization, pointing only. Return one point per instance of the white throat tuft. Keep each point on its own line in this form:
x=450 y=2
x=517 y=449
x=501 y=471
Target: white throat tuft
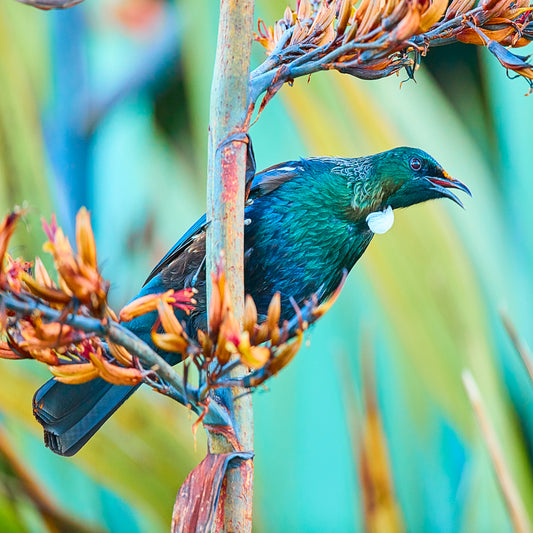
x=381 y=221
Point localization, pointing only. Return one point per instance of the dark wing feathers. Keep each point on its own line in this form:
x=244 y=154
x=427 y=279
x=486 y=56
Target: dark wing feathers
x=271 y=178
x=197 y=228
x=263 y=183
x=71 y=414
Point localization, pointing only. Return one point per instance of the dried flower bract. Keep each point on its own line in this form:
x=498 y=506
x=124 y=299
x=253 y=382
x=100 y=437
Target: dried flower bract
x=373 y=39
x=66 y=323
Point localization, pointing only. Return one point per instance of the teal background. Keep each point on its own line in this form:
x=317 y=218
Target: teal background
x=106 y=105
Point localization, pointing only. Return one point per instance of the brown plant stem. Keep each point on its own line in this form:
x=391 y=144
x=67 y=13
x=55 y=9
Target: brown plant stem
x=225 y=214
x=520 y=346
x=513 y=501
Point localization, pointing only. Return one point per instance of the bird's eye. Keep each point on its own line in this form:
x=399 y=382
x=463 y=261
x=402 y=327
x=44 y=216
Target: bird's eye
x=415 y=163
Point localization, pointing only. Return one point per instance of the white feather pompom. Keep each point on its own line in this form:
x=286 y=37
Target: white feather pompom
x=381 y=221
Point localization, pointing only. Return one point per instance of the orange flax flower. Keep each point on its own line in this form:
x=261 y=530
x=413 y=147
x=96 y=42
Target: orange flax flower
x=78 y=273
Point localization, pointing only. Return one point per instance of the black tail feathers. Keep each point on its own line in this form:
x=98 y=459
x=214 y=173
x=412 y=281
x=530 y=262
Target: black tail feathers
x=71 y=414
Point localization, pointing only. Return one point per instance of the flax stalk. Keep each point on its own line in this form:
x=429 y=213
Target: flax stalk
x=511 y=495
x=225 y=213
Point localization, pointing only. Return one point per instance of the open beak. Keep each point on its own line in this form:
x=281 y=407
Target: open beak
x=444 y=183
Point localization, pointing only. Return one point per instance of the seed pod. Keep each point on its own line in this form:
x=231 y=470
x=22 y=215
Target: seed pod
x=345 y=10
x=7 y=227
x=432 y=15
x=117 y=375
x=74 y=374
x=46 y=292
x=120 y=354
x=274 y=311
x=250 y=316
x=286 y=354
x=85 y=238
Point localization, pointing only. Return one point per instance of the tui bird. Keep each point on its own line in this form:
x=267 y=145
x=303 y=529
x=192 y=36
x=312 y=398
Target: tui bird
x=305 y=222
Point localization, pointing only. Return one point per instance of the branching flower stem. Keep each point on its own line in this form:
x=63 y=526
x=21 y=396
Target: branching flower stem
x=115 y=332
x=295 y=50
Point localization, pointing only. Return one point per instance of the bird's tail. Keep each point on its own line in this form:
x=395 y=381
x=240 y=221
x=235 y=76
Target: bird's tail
x=71 y=414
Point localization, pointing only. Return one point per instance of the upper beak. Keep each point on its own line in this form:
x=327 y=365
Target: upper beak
x=446 y=182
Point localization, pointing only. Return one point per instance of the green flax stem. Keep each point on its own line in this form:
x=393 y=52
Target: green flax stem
x=225 y=235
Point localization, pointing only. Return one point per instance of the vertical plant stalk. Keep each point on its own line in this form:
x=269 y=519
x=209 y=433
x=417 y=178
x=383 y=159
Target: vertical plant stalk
x=515 y=505
x=520 y=346
x=225 y=214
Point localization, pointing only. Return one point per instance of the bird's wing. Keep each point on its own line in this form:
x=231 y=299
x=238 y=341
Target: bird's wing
x=197 y=228
x=263 y=183
x=271 y=178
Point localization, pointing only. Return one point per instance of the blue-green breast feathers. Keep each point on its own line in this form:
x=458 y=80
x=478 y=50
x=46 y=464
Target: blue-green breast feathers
x=306 y=221
x=301 y=235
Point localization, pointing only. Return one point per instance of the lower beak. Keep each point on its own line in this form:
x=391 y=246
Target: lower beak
x=442 y=185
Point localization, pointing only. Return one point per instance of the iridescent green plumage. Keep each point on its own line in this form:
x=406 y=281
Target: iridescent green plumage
x=308 y=218
x=306 y=222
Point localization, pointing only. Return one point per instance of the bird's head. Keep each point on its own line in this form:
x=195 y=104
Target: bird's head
x=408 y=176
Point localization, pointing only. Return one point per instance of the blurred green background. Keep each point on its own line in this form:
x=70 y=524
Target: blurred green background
x=106 y=105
